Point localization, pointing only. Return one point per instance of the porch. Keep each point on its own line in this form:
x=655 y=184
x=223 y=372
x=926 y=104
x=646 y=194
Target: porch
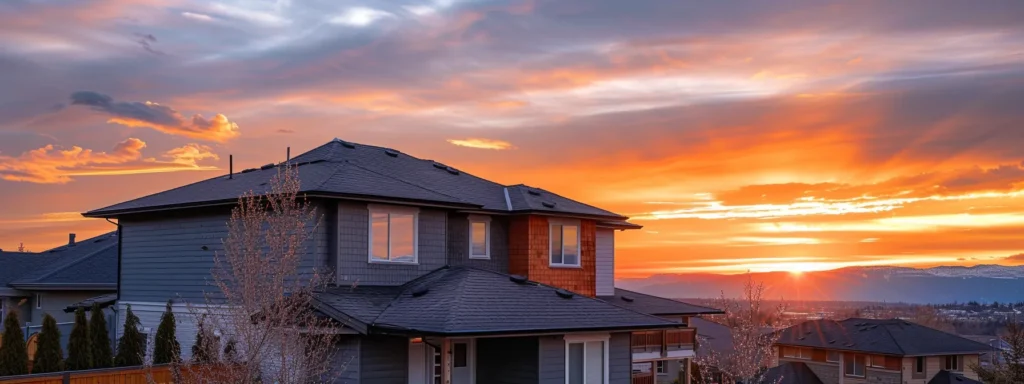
x=671 y=343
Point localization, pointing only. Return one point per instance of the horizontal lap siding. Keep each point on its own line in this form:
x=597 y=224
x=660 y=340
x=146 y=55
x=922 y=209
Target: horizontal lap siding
x=163 y=257
x=511 y=360
x=605 y=277
x=458 y=243
x=384 y=360
x=552 y=360
x=353 y=252
x=620 y=359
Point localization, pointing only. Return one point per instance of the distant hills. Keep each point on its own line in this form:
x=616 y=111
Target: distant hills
x=982 y=283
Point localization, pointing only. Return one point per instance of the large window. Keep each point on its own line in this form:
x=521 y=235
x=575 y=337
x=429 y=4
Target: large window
x=586 y=360
x=565 y=244
x=393 y=234
x=479 y=237
x=855 y=365
x=953 y=363
x=797 y=353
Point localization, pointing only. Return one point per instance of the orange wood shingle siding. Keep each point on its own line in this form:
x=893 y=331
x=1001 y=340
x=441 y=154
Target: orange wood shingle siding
x=529 y=245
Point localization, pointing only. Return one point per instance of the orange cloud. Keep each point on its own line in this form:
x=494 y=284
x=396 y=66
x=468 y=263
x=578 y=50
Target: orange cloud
x=482 y=143
x=50 y=165
x=159 y=117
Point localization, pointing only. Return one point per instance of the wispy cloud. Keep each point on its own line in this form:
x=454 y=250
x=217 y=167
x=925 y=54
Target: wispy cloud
x=482 y=143
x=159 y=117
x=51 y=165
x=360 y=16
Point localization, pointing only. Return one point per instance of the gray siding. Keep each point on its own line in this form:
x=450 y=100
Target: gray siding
x=620 y=359
x=163 y=257
x=510 y=360
x=605 y=278
x=54 y=303
x=353 y=252
x=384 y=360
x=346 y=360
x=552 y=360
x=458 y=243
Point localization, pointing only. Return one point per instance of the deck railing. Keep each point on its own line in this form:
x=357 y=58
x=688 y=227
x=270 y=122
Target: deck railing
x=663 y=341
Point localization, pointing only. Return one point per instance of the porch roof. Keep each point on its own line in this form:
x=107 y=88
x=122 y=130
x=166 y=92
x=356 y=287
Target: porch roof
x=454 y=301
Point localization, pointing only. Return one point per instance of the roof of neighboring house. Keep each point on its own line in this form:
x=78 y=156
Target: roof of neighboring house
x=713 y=336
x=471 y=301
x=654 y=305
x=792 y=372
x=888 y=337
x=358 y=171
x=103 y=300
x=17 y=264
x=90 y=263
x=947 y=377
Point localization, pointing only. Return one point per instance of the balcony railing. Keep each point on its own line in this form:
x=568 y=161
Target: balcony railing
x=663 y=341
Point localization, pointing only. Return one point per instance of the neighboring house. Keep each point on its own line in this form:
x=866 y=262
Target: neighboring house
x=441 y=276
x=997 y=348
x=855 y=351
x=34 y=284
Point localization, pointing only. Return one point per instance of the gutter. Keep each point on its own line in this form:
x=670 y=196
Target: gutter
x=62 y=286
x=402 y=331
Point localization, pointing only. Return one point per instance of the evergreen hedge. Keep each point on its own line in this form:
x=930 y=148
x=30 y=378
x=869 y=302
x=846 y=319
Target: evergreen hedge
x=79 y=350
x=49 y=355
x=131 y=347
x=166 y=348
x=13 y=352
x=102 y=356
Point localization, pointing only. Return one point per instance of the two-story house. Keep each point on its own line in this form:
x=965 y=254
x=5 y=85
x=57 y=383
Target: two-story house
x=856 y=351
x=441 y=276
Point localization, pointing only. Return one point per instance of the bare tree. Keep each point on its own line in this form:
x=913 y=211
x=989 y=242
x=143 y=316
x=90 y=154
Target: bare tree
x=264 y=295
x=1008 y=368
x=753 y=329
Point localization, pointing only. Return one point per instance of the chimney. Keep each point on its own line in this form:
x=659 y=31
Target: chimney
x=288 y=154
x=231 y=166
x=71 y=239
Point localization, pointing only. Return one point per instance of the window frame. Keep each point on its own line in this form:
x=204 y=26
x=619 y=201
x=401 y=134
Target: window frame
x=871 y=361
x=486 y=220
x=38 y=299
x=957 y=365
x=584 y=339
x=389 y=210
x=853 y=357
x=579 y=254
x=800 y=353
x=659 y=367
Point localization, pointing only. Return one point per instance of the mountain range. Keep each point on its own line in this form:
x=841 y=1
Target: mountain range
x=946 y=284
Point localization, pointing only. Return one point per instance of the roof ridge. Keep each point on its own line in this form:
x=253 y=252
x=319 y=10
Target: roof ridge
x=893 y=338
x=73 y=263
x=460 y=291
x=405 y=182
x=665 y=298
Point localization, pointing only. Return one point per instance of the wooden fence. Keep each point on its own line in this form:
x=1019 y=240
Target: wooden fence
x=160 y=374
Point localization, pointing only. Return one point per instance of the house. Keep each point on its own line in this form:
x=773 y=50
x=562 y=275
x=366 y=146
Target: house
x=855 y=351
x=441 y=276
x=34 y=284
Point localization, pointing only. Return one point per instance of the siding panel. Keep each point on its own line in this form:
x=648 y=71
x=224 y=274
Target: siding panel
x=384 y=360
x=458 y=243
x=605 y=278
x=510 y=360
x=551 y=360
x=353 y=252
x=620 y=359
x=346 y=360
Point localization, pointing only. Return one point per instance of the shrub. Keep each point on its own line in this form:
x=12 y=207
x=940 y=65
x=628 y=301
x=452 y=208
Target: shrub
x=131 y=347
x=79 y=351
x=166 y=348
x=13 y=352
x=49 y=355
x=206 y=347
x=102 y=356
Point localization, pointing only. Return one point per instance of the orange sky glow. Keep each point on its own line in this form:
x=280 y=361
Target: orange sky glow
x=756 y=137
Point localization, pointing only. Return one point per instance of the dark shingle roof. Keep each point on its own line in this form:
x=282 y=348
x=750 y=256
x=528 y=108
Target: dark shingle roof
x=469 y=301
x=792 y=372
x=947 y=377
x=343 y=169
x=889 y=337
x=18 y=264
x=716 y=337
x=103 y=300
x=90 y=262
x=654 y=305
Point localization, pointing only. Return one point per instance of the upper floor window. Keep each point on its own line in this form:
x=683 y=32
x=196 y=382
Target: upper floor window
x=953 y=363
x=832 y=356
x=393 y=234
x=479 y=237
x=855 y=365
x=797 y=353
x=565 y=243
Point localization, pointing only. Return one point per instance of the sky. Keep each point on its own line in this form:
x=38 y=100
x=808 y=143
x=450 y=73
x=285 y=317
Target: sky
x=760 y=136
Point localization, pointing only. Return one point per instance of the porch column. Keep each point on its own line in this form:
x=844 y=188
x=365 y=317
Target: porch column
x=686 y=371
x=446 y=361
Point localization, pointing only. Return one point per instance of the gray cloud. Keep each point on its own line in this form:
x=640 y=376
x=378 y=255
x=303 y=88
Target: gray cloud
x=159 y=117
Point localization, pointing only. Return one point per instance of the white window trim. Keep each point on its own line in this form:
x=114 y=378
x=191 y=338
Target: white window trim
x=487 y=236
x=579 y=256
x=39 y=300
x=572 y=339
x=380 y=208
x=660 y=367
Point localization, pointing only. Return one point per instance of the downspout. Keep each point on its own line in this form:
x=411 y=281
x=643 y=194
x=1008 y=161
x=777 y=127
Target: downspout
x=117 y=313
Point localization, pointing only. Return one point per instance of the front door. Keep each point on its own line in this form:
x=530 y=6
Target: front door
x=462 y=361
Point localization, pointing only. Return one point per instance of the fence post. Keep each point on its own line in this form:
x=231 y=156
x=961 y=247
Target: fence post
x=66 y=378
x=28 y=326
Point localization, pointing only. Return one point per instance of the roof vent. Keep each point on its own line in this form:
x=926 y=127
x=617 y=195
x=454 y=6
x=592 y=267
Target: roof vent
x=548 y=204
x=248 y=170
x=564 y=294
x=439 y=165
x=518 y=279
x=266 y=167
x=391 y=152
x=420 y=292
x=345 y=143
x=627 y=299
x=801 y=338
x=452 y=170
x=533 y=192
x=831 y=341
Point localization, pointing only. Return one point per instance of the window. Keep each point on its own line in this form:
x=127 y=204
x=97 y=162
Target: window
x=461 y=355
x=586 y=360
x=855 y=365
x=39 y=300
x=660 y=367
x=832 y=356
x=565 y=244
x=479 y=237
x=953 y=363
x=797 y=353
x=919 y=367
x=877 y=361
x=393 y=234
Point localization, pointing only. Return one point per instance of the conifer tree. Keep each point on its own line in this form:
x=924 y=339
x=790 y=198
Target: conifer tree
x=79 y=350
x=131 y=347
x=13 y=352
x=166 y=348
x=102 y=356
x=49 y=355
x=206 y=347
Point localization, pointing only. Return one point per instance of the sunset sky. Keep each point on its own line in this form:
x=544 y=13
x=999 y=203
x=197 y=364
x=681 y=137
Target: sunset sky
x=767 y=135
